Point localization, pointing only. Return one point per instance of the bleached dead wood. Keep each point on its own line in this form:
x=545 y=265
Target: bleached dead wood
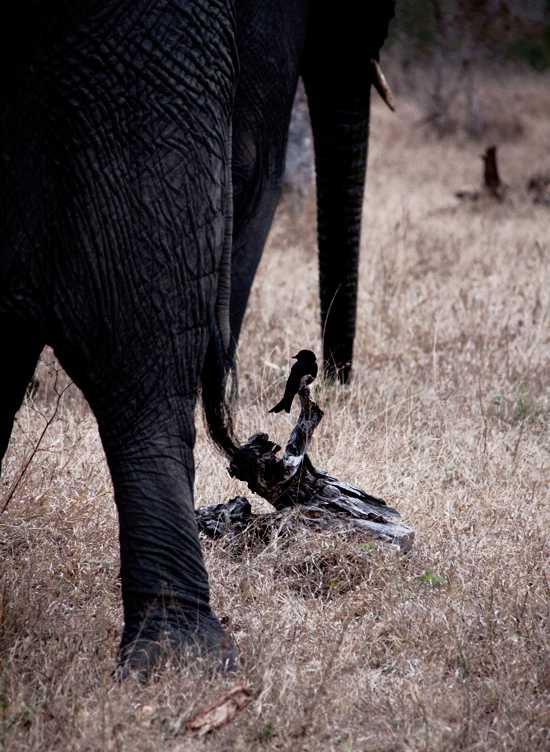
x=302 y=495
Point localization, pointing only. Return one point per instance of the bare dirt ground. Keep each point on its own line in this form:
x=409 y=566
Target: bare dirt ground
x=344 y=645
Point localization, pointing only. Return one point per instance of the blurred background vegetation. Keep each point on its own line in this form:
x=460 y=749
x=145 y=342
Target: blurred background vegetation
x=471 y=68
x=491 y=31
x=445 y=47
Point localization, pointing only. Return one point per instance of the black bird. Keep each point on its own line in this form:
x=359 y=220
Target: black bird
x=301 y=374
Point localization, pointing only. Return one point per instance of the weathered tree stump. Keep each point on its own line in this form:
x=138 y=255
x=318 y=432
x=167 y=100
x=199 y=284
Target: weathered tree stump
x=492 y=186
x=492 y=183
x=303 y=496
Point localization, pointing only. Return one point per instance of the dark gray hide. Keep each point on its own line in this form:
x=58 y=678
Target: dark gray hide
x=116 y=229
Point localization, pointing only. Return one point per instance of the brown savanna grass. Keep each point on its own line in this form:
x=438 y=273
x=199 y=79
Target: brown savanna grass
x=345 y=645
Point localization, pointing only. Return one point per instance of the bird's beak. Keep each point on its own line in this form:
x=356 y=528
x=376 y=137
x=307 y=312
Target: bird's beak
x=294 y=357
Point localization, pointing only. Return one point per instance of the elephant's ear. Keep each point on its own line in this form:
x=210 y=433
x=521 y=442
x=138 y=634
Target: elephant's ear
x=336 y=73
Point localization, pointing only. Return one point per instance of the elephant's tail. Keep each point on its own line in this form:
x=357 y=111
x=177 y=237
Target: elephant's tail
x=218 y=389
x=219 y=374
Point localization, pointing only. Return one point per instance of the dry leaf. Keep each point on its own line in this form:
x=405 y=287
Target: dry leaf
x=145 y=714
x=220 y=712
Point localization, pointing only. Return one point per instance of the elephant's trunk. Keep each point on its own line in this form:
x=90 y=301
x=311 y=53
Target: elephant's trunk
x=340 y=137
x=337 y=79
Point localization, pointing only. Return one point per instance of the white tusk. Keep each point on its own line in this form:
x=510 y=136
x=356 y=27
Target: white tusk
x=381 y=85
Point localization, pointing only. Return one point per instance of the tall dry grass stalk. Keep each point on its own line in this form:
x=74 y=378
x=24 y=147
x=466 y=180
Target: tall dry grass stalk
x=345 y=645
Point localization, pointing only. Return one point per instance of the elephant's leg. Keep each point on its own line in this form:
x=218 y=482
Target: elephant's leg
x=146 y=424
x=164 y=581
x=21 y=348
x=263 y=104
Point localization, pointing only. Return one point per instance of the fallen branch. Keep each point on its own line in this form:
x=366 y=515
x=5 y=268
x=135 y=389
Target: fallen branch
x=220 y=712
x=302 y=495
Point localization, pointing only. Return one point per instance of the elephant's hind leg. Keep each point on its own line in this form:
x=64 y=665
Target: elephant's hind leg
x=165 y=588
x=21 y=348
x=144 y=405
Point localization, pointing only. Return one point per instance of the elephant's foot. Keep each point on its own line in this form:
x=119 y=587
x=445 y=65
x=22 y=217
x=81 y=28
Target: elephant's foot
x=157 y=631
x=337 y=373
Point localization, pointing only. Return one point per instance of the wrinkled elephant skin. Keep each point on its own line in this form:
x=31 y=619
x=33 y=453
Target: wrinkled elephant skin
x=119 y=125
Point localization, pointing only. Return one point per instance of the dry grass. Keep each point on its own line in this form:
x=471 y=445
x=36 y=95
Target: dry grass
x=346 y=646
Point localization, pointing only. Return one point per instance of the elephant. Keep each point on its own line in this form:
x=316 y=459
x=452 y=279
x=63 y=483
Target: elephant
x=142 y=146
x=331 y=53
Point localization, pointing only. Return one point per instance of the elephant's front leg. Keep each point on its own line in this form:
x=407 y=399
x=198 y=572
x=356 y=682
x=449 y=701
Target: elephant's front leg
x=164 y=582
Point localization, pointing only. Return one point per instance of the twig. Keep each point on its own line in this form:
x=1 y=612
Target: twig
x=36 y=447
x=484 y=420
x=516 y=446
